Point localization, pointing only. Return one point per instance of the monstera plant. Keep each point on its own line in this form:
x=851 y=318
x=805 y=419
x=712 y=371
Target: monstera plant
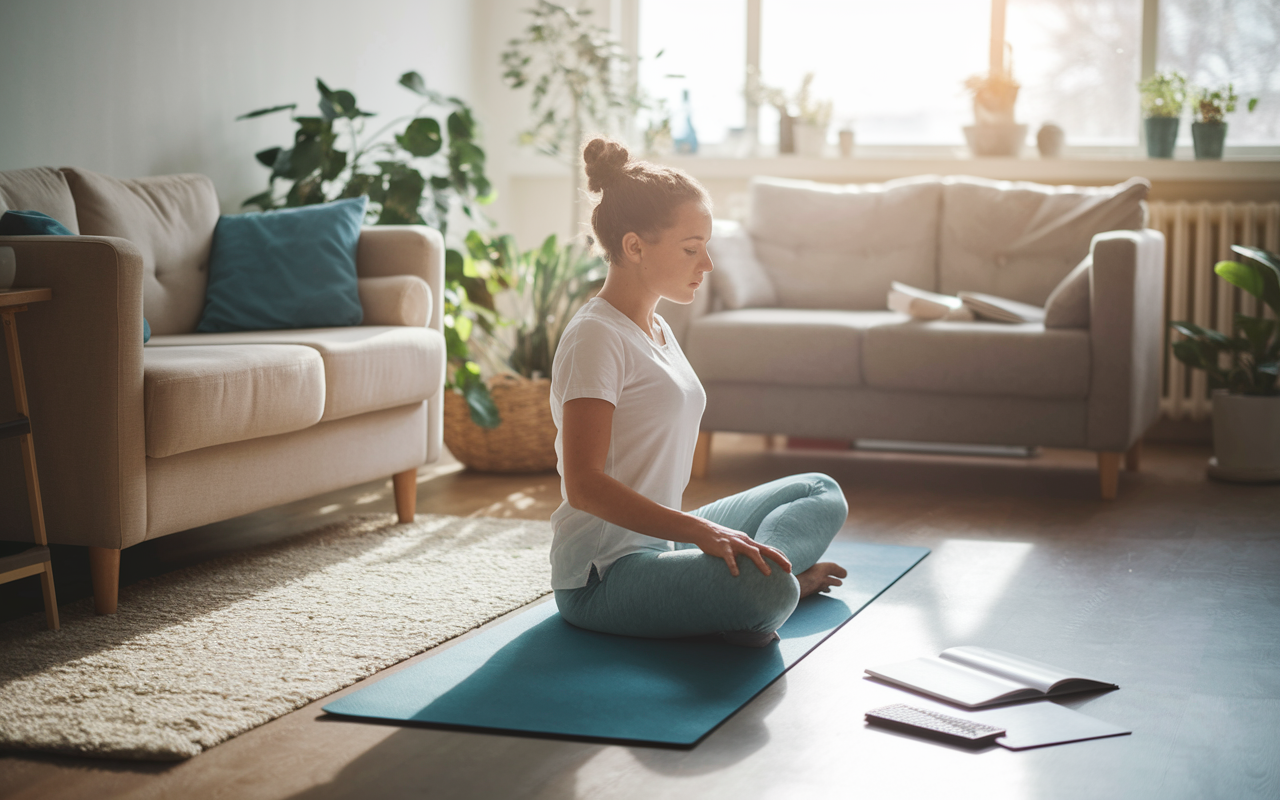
x=415 y=170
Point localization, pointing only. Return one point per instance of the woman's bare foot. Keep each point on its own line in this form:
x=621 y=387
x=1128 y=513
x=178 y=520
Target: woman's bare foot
x=821 y=577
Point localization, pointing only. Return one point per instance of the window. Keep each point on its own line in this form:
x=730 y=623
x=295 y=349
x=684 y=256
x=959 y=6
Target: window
x=703 y=48
x=895 y=71
x=1213 y=42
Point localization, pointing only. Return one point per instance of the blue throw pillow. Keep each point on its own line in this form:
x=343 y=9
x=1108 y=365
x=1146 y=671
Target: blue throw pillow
x=33 y=223
x=294 y=268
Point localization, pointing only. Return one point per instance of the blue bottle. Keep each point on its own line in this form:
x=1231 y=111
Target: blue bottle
x=684 y=136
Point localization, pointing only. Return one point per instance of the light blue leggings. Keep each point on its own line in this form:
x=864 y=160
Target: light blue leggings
x=685 y=592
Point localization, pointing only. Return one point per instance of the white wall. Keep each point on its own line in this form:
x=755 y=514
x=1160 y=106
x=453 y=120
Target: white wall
x=149 y=87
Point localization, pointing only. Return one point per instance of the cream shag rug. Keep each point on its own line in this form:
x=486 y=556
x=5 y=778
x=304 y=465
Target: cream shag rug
x=197 y=656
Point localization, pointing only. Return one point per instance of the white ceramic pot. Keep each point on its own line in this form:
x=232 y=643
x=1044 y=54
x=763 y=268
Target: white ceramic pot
x=1246 y=438
x=996 y=138
x=811 y=140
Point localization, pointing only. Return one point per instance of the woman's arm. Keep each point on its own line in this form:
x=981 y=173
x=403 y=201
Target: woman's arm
x=588 y=424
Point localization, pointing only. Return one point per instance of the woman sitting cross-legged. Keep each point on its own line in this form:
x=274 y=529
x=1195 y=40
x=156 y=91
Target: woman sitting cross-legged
x=627 y=406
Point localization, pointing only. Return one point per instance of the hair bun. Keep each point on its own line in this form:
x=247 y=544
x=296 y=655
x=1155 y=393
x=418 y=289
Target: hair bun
x=606 y=161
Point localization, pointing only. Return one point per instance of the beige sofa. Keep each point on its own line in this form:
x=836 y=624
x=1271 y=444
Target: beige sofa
x=135 y=442
x=794 y=337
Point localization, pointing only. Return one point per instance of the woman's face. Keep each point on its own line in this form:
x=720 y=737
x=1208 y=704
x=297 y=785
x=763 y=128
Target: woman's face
x=674 y=263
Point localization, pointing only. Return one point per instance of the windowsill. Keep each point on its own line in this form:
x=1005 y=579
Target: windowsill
x=875 y=164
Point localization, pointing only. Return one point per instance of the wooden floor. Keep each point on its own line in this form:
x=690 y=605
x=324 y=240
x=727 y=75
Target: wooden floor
x=1172 y=591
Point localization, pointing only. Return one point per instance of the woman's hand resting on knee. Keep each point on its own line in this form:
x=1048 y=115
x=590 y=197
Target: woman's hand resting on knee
x=726 y=543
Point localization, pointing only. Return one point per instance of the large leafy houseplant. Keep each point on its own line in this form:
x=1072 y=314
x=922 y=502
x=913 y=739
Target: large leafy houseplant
x=581 y=82
x=548 y=284
x=416 y=176
x=1247 y=361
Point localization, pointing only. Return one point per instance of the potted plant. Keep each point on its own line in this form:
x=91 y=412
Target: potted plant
x=414 y=177
x=994 y=132
x=545 y=288
x=1162 y=97
x=802 y=120
x=1246 y=399
x=578 y=74
x=1209 y=131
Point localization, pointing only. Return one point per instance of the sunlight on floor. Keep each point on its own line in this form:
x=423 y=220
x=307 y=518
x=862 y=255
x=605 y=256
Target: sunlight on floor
x=972 y=578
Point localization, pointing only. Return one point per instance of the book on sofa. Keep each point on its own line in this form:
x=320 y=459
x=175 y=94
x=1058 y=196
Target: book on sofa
x=925 y=305
x=974 y=677
x=921 y=304
x=999 y=309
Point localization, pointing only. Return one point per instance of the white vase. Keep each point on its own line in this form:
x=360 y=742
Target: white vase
x=1246 y=438
x=810 y=140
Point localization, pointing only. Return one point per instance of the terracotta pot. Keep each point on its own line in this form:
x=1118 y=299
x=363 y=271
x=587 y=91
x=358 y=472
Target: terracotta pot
x=1246 y=438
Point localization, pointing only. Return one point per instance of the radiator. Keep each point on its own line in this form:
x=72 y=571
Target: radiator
x=1197 y=236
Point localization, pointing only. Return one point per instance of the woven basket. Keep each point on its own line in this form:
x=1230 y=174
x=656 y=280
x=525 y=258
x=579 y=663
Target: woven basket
x=524 y=442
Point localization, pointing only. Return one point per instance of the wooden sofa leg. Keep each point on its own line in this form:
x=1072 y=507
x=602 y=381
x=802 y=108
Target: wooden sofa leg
x=1133 y=457
x=1109 y=474
x=406 y=488
x=702 y=455
x=104 y=569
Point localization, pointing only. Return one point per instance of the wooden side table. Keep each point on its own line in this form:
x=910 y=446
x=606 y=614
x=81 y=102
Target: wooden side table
x=34 y=561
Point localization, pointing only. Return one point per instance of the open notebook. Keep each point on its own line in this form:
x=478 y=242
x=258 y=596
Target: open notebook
x=976 y=676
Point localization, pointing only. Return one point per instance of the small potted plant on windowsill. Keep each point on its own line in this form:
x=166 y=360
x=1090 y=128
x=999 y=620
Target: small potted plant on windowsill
x=1163 y=95
x=1209 y=131
x=802 y=120
x=994 y=132
x=1246 y=398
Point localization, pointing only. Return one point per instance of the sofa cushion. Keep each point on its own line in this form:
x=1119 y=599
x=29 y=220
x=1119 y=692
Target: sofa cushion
x=42 y=189
x=287 y=269
x=739 y=279
x=1018 y=240
x=839 y=247
x=366 y=367
x=395 y=300
x=170 y=219
x=1068 y=304
x=783 y=346
x=983 y=358
x=198 y=397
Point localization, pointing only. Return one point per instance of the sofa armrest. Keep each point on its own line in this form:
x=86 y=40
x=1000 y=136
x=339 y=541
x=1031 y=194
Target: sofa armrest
x=395 y=300
x=405 y=250
x=82 y=362
x=1126 y=333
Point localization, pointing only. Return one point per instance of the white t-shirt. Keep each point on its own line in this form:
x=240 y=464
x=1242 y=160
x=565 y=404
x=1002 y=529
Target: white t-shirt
x=658 y=403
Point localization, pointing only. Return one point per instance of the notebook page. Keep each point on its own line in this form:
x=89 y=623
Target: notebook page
x=948 y=680
x=1023 y=671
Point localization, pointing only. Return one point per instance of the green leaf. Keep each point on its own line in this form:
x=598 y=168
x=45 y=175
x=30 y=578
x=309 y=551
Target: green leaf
x=264 y=111
x=421 y=138
x=304 y=159
x=1194 y=331
x=1246 y=276
x=454 y=265
x=461 y=126
x=332 y=164
x=414 y=83
x=483 y=410
x=404 y=195
x=359 y=184
x=306 y=192
x=1258 y=331
x=1270 y=272
x=313 y=126
x=1253 y=103
x=267 y=158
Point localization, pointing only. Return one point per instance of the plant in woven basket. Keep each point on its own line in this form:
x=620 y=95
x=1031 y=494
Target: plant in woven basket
x=1253 y=347
x=547 y=285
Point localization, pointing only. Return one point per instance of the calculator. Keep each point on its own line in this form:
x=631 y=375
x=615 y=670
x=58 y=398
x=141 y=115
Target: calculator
x=933 y=725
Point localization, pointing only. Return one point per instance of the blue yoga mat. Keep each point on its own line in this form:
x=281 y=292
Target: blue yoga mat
x=537 y=674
